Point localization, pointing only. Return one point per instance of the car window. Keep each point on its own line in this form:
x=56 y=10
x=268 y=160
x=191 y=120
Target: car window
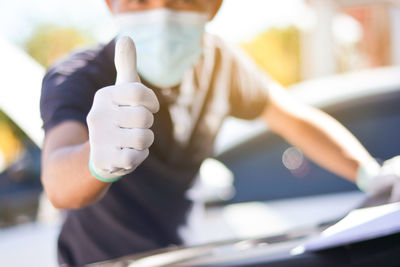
x=266 y=167
x=19 y=174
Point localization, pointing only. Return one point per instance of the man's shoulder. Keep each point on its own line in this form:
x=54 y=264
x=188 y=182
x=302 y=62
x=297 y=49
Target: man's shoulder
x=84 y=58
x=216 y=43
x=93 y=66
x=222 y=50
x=70 y=84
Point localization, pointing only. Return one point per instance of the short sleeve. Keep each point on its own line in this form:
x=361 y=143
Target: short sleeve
x=68 y=88
x=249 y=87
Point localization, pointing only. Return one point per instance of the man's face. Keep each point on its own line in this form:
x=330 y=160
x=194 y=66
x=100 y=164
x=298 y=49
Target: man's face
x=168 y=35
x=206 y=6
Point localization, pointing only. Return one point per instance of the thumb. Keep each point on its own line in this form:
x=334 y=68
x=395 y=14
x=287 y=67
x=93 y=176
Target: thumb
x=125 y=61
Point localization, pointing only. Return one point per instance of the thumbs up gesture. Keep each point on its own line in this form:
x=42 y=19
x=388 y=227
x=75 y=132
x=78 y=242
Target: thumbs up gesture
x=120 y=118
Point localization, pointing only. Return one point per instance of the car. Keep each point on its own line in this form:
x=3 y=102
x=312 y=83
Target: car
x=20 y=136
x=25 y=225
x=304 y=247
x=280 y=197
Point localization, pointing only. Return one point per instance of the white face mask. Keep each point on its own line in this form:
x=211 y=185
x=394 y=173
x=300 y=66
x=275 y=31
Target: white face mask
x=168 y=43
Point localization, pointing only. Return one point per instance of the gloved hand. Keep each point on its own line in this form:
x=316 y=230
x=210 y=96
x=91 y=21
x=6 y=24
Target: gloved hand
x=120 y=118
x=378 y=180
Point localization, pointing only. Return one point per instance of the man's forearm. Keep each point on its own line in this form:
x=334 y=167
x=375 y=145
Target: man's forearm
x=318 y=135
x=328 y=143
x=67 y=179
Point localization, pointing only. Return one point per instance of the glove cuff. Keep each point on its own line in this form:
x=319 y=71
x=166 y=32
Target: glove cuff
x=101 y=175
x=366 y=173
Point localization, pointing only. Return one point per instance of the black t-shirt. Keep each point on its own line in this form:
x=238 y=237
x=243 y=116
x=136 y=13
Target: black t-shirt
x=143 y=210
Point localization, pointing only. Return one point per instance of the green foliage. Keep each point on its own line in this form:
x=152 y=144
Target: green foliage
x=49 y=43
x=277 y=51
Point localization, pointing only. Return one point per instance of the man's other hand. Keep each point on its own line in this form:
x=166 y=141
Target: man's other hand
x=386 y=181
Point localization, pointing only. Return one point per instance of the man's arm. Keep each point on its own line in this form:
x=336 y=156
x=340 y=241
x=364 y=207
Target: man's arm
x=65 y=173
x=79 y=163
x=318 y=135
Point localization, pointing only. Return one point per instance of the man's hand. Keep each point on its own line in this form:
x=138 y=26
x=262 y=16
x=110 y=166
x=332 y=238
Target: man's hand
x=120 y=118
x=385 y=181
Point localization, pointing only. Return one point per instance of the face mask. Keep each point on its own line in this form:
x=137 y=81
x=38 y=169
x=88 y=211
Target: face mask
x=168 y=43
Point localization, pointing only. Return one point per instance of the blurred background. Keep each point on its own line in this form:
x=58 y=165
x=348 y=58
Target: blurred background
x=292 y=40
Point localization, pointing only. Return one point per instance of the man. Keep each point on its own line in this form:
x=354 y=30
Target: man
x=124 y=196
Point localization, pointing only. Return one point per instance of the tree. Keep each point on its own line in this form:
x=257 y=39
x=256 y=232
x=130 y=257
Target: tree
x=49 y=43
x=277 y=51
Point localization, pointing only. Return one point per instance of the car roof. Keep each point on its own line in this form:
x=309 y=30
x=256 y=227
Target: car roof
x=345 y=87
x=20 y=93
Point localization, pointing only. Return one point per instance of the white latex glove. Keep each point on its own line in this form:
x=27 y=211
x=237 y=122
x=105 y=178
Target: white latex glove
x=385 y=179
x=120 y=118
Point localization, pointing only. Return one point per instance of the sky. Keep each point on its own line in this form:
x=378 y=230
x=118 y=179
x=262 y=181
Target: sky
x=237 y=19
